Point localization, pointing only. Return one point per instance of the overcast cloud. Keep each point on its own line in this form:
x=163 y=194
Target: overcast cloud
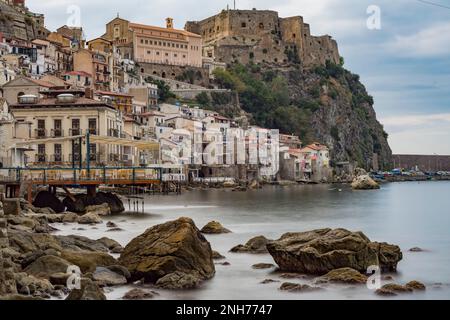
x=405 y=65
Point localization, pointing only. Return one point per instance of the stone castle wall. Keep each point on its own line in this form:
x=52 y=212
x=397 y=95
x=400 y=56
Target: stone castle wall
x=262 y=36
x=173 y=72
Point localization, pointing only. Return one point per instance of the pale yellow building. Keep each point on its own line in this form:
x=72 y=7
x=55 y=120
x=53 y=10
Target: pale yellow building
x=151 y=44
x=56 y=125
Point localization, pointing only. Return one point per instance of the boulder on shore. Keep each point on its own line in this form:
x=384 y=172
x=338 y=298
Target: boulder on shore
x=343 y=275
x=46 y=199
x=175 y=246
x=254 y=245
x=364 y=182
x=101 y=209
x=323 y=250
x=90 y=218
x=89 y=291
x=214 y=227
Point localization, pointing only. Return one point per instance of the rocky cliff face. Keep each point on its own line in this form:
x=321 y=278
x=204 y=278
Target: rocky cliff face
x=344 y=117
x=327 y=104
x=16 y=25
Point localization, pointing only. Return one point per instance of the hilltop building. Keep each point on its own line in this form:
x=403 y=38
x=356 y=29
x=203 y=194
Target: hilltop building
x=151 y=44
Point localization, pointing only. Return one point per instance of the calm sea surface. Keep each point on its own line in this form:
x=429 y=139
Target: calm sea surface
x=413 y=214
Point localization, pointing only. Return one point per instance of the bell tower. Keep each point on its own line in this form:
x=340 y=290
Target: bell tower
x=169 y=23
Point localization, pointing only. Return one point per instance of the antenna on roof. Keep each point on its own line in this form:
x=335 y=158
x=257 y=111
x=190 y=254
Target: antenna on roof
x=118 y=15
x=234 y=4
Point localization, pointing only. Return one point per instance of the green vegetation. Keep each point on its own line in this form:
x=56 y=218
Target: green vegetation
x=266 y=96
x=334 y=132
x=190 y=75
x=163 y=89
x=203 y=99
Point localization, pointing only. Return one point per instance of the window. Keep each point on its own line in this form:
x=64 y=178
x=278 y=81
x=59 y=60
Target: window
x=93 y=152
x=41 y=128
x=167 y=54
x=58 y=153
x=142 y=41
x=157 y=53
x=244 y=25
x=57 y=123
x=76 y=127
x=93 y=126
x=40 y=157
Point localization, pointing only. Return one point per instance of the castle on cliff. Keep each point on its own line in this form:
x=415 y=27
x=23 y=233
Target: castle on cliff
x=262 y=36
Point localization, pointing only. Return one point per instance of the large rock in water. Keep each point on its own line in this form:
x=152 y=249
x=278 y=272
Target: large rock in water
x=173 y=247
x=321 y=251
x=45 y=199
x=82 y=201
x=364 y=182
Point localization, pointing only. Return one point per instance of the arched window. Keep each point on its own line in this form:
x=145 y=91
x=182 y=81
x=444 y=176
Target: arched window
x=163 y=75
x=19 y=95
x=261 y=25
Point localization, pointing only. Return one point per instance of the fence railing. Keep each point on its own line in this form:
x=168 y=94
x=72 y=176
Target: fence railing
x=102 y=175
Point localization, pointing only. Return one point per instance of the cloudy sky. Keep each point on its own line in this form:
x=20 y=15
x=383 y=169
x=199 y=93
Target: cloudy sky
x=405 y=63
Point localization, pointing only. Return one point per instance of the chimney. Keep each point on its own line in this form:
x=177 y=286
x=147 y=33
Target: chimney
x=89 y=93
x=169 y=23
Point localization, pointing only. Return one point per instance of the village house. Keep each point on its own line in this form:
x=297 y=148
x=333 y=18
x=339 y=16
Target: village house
x=78 y=79
x=311 y=163
x=121 y=101
x=96 y=64
x=20 y=86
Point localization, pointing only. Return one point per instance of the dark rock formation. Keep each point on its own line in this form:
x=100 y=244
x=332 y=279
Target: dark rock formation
x=82 y=201
x=45 y=199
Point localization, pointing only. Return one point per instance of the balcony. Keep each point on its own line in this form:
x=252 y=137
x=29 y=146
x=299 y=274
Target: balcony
x=57 y=133
x=75 y=132
x=113 y=133
x=114 y=157
x=40 y=133
x=94 y=157
x=40 y=158
x=74 y=157
x=56 y=158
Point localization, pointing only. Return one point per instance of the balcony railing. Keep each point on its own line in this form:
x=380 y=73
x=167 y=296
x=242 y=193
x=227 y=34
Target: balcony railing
x=57 y=158
x=57 y=133
x=74 y=157
x=40 y=133
x=40 y=158
x=113 y=133
x=75 y=132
